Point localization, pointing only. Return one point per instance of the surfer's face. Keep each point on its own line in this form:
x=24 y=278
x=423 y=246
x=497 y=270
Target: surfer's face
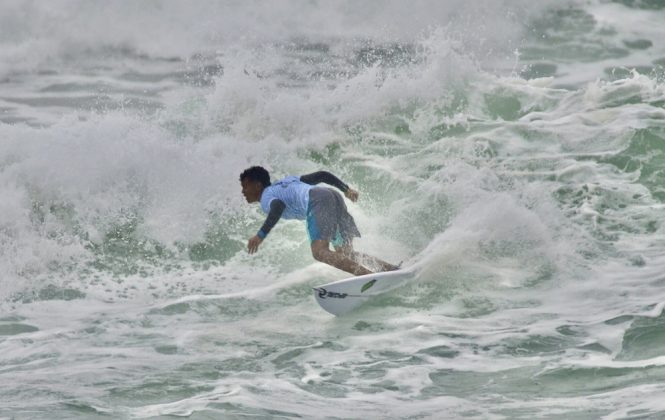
x=251 y=190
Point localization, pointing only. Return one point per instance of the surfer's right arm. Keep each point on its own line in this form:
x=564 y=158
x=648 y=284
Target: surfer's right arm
x=277 y=207
x=330 y=179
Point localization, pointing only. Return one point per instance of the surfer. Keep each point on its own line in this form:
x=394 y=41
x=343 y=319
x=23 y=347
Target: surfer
x=328 y=221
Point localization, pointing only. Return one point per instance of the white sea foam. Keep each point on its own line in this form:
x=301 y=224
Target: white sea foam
x=531 y=207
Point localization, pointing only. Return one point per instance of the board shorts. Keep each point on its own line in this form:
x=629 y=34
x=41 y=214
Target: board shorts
x=328 y=219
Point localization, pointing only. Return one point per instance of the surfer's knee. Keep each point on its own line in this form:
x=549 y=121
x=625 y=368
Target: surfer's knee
x=320 y=251
x=345 y=251
x=322 y=255
x=317 y=254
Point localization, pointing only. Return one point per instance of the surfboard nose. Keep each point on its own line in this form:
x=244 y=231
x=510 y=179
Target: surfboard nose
x=337 y=303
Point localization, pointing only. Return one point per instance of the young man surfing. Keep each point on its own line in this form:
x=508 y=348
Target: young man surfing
x=328 y=221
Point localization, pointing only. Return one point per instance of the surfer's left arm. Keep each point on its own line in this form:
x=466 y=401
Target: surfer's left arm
x=330 y=179
x=277 y=207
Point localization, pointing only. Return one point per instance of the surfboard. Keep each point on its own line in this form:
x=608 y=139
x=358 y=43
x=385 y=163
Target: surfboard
x=342 y=296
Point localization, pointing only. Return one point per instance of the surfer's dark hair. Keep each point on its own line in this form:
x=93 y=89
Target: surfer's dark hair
x=256 y=173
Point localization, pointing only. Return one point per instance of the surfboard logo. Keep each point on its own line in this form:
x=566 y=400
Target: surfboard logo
x=367 y=285
x=323 y=293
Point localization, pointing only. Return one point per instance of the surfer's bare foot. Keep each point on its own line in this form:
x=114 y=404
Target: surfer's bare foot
x=394 y=267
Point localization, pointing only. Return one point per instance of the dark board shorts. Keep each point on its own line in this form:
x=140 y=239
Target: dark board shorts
x=328 y=219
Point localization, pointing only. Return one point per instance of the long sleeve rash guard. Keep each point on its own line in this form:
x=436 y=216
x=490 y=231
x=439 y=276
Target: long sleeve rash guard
x=277 y=206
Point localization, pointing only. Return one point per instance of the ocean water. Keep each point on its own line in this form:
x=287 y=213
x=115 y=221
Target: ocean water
x=512 y=151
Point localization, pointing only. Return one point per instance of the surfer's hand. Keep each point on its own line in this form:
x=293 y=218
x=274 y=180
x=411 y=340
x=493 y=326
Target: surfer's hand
x=253 y=244
x=351 y=194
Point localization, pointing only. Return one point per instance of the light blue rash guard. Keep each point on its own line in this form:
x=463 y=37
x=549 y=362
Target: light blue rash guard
x=293 y=192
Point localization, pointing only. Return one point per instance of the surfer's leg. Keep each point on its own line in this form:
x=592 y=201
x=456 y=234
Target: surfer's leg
x=347 y=250
x=321 y=252
x=385 y=266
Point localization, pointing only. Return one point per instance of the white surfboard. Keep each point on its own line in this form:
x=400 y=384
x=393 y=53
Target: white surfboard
x=344 y=295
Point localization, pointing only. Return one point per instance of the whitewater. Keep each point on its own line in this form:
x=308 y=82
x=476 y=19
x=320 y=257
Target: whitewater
x=512 y=152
